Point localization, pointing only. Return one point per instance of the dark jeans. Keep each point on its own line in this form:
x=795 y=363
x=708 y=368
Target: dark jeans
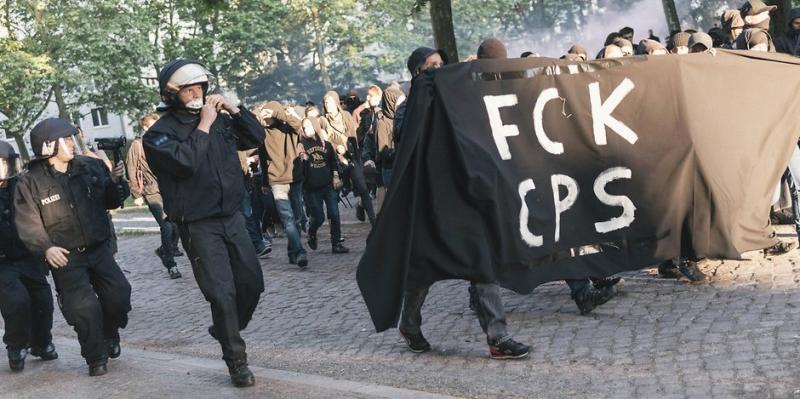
x=360 y=189
x=95 y=298
x=252 y=223
x=489 y=311
x=298 y=204
x=227 y=271
x=386 y=174
x=169 y=231
x=26 y=304
x=314 y=201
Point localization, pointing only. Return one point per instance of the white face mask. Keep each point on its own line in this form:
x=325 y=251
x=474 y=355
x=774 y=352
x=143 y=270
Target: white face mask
x=195 y=105
x=682 y=50
x=760 y=47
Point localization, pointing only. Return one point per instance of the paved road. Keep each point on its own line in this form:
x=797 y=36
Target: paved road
x=737 y=336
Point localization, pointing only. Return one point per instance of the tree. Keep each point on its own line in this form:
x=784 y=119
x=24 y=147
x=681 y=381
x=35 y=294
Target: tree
x=671 y=12
x=25 y=90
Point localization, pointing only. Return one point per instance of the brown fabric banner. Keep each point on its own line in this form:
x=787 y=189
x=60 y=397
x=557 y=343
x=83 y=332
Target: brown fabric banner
x=526 y=171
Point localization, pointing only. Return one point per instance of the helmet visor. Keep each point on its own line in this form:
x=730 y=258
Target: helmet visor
x=189 y=75
x=10 y=167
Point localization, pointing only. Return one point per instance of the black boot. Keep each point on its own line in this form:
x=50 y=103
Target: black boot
x=16 y=359
x=98 y=369
x=667 y=269
x=590 y=297
x=312 y=241
x=114 y=350
x=340 y=249
x=689 y=269
x=45 y=353
x=241 y=376
x=360 y=215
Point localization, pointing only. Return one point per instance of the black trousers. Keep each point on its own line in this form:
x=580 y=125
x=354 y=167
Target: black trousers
x=94 y=297
x=26 y=304
x=227 y=271
x=360 y=189
x=169 y=231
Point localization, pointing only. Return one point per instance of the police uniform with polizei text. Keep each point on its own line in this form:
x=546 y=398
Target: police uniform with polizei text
x=26 y=301
x=200 y=178
x=68 y=210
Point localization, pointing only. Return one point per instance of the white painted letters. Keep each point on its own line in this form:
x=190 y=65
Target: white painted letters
x=550 y=146
x=565 y=204
x=628 y=208
x=531 y=239
x=500 y=131
x=601 y=112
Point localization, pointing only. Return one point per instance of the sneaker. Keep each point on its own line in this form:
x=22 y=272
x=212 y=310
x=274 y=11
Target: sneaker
x=46 y=353
x=16 y=359
x=688 y=268
x=340 y=249
x=360 y=214
x=606 y=282
x=265 y=251
x=312 y=241
x=781 y=248
x=174 y=272
x=591 y=297
x=509 y=349
x=415 y=342
x=114 y=350
x=98 y=369
x=302 y=261
x=667 y=269
x=241 y=376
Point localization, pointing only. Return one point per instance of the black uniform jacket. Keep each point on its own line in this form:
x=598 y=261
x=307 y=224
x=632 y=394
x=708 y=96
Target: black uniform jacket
x=66 y=210
x=199 y=174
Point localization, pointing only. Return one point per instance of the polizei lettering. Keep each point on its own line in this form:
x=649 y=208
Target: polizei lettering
x=603 y=122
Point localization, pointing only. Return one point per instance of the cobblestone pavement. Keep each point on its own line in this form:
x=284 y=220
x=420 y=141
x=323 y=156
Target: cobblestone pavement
x=735 y=337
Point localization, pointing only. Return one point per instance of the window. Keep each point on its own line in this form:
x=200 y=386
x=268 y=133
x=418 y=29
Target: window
x=99 y=117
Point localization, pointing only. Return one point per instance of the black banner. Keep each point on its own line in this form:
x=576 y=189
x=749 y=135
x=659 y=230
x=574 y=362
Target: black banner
x=533 y=170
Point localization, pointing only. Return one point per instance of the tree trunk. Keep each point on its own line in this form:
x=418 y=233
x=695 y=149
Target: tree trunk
x=23 y=148
x=63 y=113
x=443 y=33
x=319 y=41
x=779 y=23
x=671 y=12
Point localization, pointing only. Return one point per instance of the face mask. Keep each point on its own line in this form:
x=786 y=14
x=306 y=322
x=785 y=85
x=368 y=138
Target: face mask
x=195 y=105
x=760 y=47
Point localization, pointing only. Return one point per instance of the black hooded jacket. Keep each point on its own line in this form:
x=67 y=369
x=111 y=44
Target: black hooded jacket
x=789 y=43
x=199 y=175
x=378 y=144
x=66 y=210
x=11 y=247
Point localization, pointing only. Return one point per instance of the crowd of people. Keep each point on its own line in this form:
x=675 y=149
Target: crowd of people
x=224 y=180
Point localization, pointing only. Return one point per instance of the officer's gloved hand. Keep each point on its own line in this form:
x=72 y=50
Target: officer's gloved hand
x=56 y=257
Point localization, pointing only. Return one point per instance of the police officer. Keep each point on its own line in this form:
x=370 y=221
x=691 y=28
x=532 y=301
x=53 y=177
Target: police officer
x=25 y=299
x=192 y=150
x=61 y=204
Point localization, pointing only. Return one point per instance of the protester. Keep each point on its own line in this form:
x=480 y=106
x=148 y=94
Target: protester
x=193 y=151
x=344 y=138
x=755 y=39
x=26 y=301
x=282 y=137
x=625 y=45
x=700 y=42
x=651 y=47
x=379 y=146
x=252 y=187
x=732 y=24
x=61 y=205
x=789 y=42
x=679 y=43
x=627 y=33
x=580 y=51
x=144 y=189
x=321 y=177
